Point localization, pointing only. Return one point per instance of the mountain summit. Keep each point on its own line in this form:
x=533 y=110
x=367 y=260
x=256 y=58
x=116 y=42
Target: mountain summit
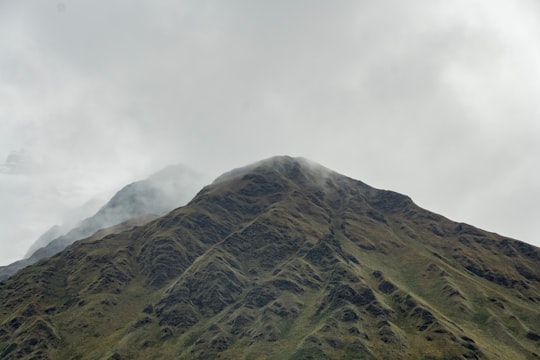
x=283 y=259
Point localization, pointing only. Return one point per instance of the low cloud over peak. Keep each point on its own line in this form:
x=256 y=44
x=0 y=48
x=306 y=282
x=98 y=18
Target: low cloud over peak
x=437 y=100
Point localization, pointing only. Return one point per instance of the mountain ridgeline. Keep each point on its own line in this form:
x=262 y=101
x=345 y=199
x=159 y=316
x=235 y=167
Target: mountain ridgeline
x=133 y=205
x=283 y=259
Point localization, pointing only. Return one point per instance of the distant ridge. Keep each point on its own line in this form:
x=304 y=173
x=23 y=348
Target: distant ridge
x=165 y=190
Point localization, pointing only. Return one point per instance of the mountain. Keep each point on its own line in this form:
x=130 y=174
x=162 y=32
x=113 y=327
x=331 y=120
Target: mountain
x=165 y=190
x=54 y=232
x=283 y=259
x=70 y=221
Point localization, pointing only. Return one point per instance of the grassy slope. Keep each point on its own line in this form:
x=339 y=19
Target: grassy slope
x=280 y=265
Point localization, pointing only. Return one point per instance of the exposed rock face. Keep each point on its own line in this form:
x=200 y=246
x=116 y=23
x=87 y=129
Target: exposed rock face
x=282 y=259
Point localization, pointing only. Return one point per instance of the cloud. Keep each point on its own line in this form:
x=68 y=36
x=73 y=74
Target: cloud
x=434 y=99
x=17 y=162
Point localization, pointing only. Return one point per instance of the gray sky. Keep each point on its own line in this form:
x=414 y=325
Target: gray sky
x=432 y=98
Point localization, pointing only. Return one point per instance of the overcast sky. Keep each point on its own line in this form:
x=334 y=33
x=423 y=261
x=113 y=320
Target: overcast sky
x=436 y=99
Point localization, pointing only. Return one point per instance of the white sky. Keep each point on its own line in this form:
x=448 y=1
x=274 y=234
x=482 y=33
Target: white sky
x=436 y=99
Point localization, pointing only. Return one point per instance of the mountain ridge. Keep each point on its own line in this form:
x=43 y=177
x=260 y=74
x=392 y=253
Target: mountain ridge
x=282 y=264
x=161 y=192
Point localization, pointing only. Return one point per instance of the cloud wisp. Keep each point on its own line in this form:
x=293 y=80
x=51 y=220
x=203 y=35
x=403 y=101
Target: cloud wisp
x=434 y=99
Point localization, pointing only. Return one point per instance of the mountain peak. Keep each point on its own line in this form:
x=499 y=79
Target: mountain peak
x=300 y=174
x=281 y=259
x=292 y=168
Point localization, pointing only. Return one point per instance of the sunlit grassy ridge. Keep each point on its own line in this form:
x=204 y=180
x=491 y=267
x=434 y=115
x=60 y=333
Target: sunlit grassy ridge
x=281 y=260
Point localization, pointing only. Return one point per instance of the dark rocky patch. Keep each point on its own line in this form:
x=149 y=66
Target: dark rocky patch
x=377 y=216
x=527 y=273
x=361 y=241
x=163 y=259
x=348 y=315
x=30 y=310
x=343 y=294
x=240 y=324
x=426 y=318
x=488 y=274
x=435 y=230
x=375 y=309
x=321 y=255
x=181 y=317
x=257 y=185
x=334 y=342
x=259 y=297
x=386 y=334
x=220 y=343
x=141 y=322
x=387 y=287
x=467 y=229
x=390 y=202
x=527 y=250
x=166 y=333
x=8 y=350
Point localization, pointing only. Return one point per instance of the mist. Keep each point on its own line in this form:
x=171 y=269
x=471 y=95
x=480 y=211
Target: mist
x=432 y=99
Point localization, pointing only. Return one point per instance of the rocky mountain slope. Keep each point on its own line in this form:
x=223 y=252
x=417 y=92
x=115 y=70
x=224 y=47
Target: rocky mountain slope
x=160 y=193
x=283 y=259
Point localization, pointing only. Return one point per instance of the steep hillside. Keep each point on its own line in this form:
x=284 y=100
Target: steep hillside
x=283 y=259
x=160 y=193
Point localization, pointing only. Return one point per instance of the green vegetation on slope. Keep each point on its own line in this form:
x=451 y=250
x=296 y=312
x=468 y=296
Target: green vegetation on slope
x=281 y=260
